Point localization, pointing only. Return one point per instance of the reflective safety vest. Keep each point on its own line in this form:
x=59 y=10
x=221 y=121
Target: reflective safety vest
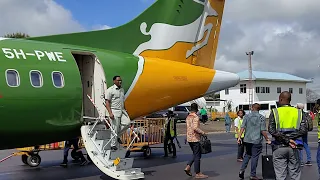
x=171 y=128
x=239 y=129
x=287 y=118
x=318 y=120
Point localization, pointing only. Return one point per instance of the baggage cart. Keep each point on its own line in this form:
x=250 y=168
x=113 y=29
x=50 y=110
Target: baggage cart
x=150 y=131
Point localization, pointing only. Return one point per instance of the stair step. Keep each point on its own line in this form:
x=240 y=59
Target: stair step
x=102 y=134
x=124 y=164
x=101 y=143
x=120 y=153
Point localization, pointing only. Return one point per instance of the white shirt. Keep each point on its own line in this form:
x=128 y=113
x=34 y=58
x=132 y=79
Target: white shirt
x=236 y=122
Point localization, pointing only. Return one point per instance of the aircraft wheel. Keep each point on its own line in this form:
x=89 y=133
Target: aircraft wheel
x=147 y=152
x=75 y=154
x=24 y=159
x=33 y=160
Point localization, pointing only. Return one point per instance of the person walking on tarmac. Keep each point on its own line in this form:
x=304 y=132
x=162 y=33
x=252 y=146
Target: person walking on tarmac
x=255 y=126
x=286 y=124
x=305 y=141
x=170 y=134
x=193 y=137
x=237 y=126
x=67 y=146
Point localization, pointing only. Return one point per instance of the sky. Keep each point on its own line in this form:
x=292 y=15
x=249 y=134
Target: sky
x=284 y=34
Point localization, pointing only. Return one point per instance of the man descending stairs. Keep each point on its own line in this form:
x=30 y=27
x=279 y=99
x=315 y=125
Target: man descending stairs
x=103 y=144
x=120 y=120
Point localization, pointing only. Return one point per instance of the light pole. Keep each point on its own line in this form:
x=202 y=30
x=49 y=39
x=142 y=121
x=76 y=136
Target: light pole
x=249 y=54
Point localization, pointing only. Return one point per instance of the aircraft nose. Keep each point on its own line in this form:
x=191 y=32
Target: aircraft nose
x=223 y=80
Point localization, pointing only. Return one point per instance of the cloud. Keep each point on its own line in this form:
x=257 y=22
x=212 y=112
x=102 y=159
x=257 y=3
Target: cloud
x=284 y=35
x=101 y=27
x=36 y=18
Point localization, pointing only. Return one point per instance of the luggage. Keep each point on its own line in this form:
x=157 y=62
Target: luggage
x=205 y=145
x=267 y=166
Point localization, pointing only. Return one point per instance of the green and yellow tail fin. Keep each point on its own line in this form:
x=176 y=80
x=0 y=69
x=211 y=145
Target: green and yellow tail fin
x=178 y=30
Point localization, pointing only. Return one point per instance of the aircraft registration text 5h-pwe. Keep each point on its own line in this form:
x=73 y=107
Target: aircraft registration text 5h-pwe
x=18 y=54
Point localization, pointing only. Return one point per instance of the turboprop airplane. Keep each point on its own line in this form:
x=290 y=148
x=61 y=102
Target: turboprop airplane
x=165 y=57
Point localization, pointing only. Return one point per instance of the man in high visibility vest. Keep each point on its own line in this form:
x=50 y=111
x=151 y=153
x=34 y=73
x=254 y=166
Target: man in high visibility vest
x=170 y=133
x=316 y=110
x=286 y=125
x=237 y=126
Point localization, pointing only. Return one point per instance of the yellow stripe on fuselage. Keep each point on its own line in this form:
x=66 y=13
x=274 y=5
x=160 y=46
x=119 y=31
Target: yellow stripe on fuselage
x=165 y=83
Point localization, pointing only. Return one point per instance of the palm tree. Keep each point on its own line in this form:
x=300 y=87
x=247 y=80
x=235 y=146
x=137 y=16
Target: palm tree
x=16 y=35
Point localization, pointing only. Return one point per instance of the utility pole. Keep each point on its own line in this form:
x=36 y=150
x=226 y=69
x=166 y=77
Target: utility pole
x=249 y=54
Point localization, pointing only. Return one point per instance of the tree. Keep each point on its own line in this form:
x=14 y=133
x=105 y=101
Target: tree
x=16 y=35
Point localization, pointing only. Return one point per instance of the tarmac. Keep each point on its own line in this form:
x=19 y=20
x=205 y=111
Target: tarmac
x=221 y=164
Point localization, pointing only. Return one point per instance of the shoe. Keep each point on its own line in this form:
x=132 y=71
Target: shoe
x=174 y=156
x=64 y=164
x=301 y=164
x=254 y=178
x=188 y=172
x=308 y=163
x=239 y=160
x=114 y=148
x=241 y=174
x=201 y=176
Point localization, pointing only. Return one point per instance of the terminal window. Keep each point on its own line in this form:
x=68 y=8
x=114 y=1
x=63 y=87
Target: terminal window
x=278 y=89
x=290 y=90
x=243 y=88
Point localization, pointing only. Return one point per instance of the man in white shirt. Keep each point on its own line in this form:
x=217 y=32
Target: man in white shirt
x=120 y=120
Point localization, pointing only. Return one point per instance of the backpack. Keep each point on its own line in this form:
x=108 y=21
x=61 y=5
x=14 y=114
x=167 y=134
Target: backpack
x=309 y=122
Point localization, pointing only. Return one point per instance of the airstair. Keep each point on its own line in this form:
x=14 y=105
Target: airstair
x=97 y=139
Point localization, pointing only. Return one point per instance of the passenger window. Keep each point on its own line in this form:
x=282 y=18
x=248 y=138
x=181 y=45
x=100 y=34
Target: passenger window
x=12 y=77
x=57 y=79
x=36 y=79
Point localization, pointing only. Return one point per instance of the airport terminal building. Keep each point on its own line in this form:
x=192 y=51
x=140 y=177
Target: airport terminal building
x=266 y=89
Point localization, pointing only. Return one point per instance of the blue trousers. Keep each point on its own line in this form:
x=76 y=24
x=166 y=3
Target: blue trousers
x=306 y=147
x=227 y=127
x=196 y=156
x=254 y=151
x=68 y=144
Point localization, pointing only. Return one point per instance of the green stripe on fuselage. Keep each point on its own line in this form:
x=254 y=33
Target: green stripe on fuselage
x=31 y=116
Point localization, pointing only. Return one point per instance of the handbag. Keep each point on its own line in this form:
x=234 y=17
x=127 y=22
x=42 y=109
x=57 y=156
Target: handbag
x=205 y=145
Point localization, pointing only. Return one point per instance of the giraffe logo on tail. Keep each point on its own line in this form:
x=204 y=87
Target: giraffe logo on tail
x=164 y=36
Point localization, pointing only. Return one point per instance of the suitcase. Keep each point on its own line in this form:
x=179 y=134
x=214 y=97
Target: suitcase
x=267 y=166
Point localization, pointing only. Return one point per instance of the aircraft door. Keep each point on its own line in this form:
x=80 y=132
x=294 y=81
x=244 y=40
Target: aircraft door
x=100 y=87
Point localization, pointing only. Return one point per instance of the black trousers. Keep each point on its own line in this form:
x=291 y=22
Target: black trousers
x=173 y=146
x=240 y=149
x=195 y=147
